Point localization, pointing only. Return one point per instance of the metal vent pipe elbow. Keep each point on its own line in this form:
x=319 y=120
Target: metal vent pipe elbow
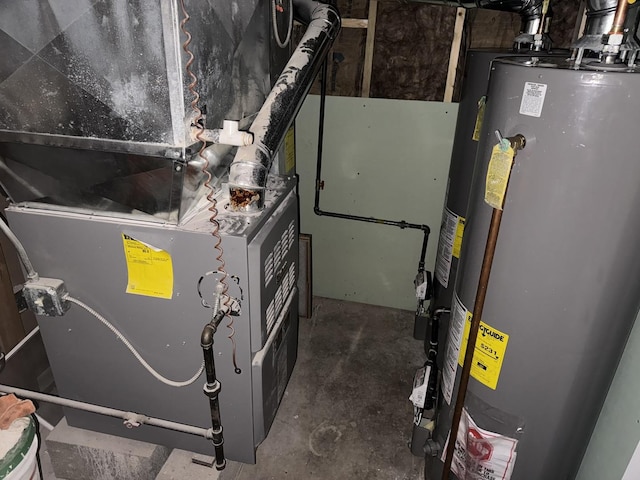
x=251 y=165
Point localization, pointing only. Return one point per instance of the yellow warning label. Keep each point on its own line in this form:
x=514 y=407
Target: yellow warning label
x=491 y=346
x=150 y=270
x=290 y=151
x=457 y=241
x=498 y=175
x=479 y=118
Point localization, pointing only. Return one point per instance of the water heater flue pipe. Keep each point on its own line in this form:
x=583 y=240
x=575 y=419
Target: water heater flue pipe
x=605 y=32
x=251 y=165
x=515 y=6
x=600 y=16
x=529 y=10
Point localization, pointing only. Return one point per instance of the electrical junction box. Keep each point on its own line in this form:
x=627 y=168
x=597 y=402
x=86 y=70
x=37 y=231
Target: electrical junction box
x=45 y=296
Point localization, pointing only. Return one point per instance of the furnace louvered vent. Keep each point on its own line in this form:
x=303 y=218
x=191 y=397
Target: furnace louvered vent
x=271 y=315
x=280 y=251
x=277 y=255
x=268 y=269
x=292 y=276
x=288 y=282
x=290 y=235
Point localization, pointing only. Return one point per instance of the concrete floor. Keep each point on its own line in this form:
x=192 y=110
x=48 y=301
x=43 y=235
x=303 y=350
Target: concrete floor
x=345 y=413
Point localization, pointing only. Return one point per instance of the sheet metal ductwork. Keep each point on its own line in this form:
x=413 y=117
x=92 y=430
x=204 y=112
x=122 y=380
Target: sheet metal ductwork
x=251 y=165
x=95 y=105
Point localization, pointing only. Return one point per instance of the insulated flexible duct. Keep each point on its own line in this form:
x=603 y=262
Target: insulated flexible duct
x=250 y=167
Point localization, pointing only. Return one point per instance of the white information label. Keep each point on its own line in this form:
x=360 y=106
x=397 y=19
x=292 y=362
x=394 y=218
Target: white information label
x=480 y=454
x=445 y=246
x=533 y=99
x=420 y=383
x=452 y=351
x=421 y=291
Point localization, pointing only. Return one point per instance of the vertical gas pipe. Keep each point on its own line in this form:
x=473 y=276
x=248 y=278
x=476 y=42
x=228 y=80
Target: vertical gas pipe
x=212 y=387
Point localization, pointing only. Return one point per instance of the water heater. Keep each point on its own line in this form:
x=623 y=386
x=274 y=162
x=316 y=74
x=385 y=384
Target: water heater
x=565 y=285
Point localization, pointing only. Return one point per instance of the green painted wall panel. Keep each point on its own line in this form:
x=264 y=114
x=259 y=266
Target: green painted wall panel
x=382 y=158
x=390 y=159
x=618 y=429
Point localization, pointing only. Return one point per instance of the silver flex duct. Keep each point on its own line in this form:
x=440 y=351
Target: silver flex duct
x=251 y=165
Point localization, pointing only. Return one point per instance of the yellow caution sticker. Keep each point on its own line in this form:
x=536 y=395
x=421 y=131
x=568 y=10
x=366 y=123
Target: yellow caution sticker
x=150 y=269
x=290 y=151
x=491 y=346
x=498 y=174
x=457 y=241
x=479 y=118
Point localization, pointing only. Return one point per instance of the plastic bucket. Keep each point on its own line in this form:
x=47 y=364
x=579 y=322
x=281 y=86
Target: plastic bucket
x=20 y=462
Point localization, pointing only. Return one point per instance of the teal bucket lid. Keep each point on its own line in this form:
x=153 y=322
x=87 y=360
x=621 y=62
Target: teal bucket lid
x=16 y=455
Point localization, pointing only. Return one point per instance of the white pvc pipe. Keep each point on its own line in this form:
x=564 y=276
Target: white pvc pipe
x=44 y=423
x=22 y=342
x=131 y=417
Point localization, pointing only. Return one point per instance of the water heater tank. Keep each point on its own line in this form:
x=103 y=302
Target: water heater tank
x=565 y=285
x=463 y=161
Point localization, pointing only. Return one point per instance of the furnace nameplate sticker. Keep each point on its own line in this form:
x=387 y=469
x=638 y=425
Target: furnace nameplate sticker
x=533 y=99
x=491 y=346
x=149 y=269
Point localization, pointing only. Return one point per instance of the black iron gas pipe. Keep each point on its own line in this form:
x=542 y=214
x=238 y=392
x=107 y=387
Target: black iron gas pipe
x=212 y=387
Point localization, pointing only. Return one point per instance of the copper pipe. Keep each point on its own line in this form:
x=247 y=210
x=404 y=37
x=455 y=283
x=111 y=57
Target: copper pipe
x=621 y=16
x=478 y=306
x=518 y=142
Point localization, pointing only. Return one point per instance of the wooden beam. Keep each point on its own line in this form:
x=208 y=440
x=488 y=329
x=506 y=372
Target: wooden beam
x=368 y=49
x=454 y=55
x=581 y=21
x=355 y=23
